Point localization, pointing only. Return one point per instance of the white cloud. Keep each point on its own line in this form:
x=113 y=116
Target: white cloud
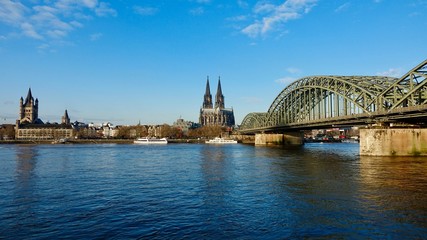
x=252 y=100
x=50 y=20
x=95 y=36
x=145 y=11
x=392 y=72
x=12 y=12
x=271 y=17
x=343 y=7
x=237 y=18
x=242 y=4
x=29 y=31
x=262 y=7
x=43 y=46
x=293 y=70
x=285 y=80
x=104 y=9
x=197 y=11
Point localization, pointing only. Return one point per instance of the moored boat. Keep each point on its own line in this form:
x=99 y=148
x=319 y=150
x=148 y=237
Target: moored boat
x=218 y=140
x=151 y=141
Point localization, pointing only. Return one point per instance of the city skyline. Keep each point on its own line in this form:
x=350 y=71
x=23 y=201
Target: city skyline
x=131 y=61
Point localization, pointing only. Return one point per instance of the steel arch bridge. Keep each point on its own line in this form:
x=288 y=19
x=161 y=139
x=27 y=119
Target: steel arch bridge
x=321 y=101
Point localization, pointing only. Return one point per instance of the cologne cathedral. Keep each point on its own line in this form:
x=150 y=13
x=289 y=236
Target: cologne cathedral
x=215 y=115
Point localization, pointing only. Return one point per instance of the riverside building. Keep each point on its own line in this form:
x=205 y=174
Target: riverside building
x=215 y=115
x=30 y=127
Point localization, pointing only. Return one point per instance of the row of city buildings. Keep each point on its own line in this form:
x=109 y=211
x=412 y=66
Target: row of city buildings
x=30 y=127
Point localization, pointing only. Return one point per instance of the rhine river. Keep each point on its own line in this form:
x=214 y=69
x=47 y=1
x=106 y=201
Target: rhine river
x=199 y=191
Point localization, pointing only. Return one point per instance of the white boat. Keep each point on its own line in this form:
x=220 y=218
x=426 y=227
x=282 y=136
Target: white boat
x=151 y=141
x=218 y=140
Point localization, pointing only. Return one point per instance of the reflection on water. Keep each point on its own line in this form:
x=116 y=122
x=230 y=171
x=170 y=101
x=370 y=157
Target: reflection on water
x=25 y=194
x=202 y=191
x=396 y=187
x=26 y=158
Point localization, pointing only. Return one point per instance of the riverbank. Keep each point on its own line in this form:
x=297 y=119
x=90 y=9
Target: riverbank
x=74 y=141
x=92 y=141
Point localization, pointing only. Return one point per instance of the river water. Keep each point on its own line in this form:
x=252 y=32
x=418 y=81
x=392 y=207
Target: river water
x=198 y=191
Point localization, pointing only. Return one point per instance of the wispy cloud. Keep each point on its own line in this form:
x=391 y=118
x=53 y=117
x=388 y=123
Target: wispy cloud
x=272 y=17
x=51 y=20
x=391 y=72
x=242 y=4
x=252 y=100
x=293 y=72
x=343 y=7
x=237 y=18
x=197 y=11
x=202 y=1
x=95 y=36
x=285 y=80
x=145 y=11
x=12 y=13
x=104 y=9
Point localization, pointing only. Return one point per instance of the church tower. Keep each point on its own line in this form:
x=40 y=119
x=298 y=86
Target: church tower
x=207 y=102
x=65 y=118
x=29 y=109
x=219 y=98
x=218 y=116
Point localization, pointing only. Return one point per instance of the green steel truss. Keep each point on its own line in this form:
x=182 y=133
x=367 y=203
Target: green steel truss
x=321 y=98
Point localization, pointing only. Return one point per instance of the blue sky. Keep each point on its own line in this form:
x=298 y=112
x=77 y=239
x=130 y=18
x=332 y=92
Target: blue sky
x=127 y=61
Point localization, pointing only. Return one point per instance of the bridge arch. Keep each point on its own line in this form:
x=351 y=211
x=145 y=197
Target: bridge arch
x=253 y=120
x=408 y=91
x=318 y=97
x=315 y=99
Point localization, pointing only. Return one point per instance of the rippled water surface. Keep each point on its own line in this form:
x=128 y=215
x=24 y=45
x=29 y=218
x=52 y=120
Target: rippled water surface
x=190 y=191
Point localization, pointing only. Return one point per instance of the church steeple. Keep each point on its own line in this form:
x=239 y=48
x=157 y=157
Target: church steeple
x=219 y=98
x=29 y=97
x=207 y=101
x=28 y=109
x=65 y=118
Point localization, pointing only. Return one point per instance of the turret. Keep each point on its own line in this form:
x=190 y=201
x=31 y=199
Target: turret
x=21 y=108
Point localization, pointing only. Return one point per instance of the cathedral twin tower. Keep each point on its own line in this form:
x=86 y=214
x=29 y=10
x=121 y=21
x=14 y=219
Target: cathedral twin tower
x=215 y=115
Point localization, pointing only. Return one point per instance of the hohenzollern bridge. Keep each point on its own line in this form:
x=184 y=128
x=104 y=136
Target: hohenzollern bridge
x=380 y=103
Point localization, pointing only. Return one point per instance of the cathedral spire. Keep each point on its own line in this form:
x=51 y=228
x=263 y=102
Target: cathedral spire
x=219 y=98
x=207 y=101
x=208 y=88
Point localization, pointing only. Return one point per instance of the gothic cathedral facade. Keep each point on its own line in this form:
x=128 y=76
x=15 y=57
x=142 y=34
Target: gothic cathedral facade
x=215 y=115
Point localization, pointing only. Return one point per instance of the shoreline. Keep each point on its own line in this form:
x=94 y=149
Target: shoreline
x=92 y=141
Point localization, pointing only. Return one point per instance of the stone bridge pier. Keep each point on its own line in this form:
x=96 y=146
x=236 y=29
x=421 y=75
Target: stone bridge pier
x=289 y=138
x=393 y=141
